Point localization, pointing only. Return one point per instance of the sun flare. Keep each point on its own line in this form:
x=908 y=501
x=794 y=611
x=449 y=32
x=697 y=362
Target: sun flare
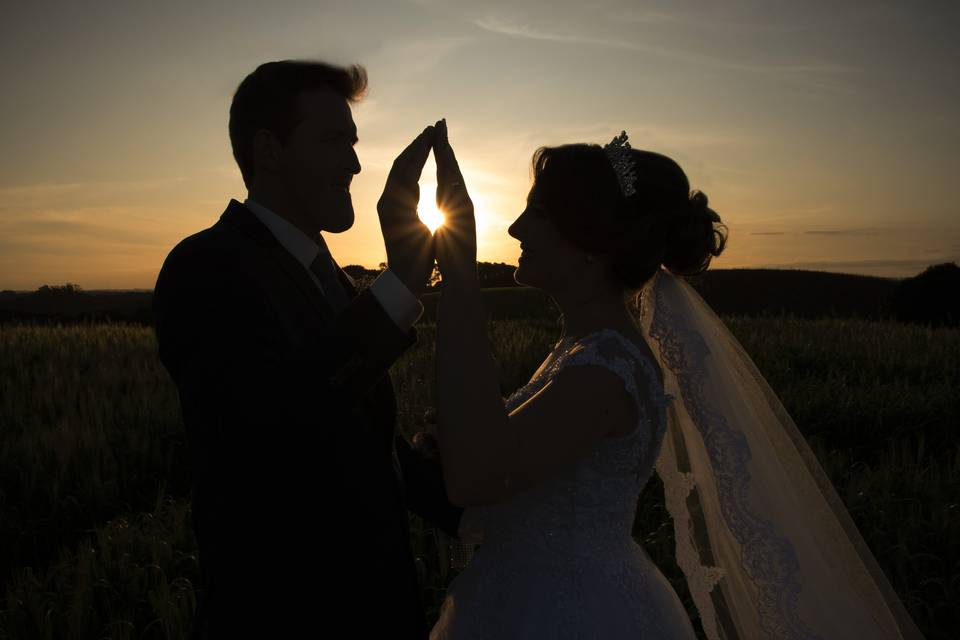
x=427 y=209
x=428 y=212
x=431 y=216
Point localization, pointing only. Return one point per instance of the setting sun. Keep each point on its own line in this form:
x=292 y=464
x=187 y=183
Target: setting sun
x=431 y=216
x=427 y=209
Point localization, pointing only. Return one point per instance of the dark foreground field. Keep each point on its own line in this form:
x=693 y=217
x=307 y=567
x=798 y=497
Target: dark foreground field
x=95 y=536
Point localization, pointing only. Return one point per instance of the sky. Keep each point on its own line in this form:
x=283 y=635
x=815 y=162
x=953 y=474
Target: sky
x=824 y=134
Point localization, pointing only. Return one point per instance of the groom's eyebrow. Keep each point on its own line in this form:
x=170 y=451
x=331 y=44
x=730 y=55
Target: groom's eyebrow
x=350 y=133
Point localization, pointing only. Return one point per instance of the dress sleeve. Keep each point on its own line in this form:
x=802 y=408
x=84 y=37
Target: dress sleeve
x=604 y=349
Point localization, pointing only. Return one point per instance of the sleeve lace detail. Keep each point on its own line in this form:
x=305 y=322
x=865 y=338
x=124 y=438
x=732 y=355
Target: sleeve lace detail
x=608 y=349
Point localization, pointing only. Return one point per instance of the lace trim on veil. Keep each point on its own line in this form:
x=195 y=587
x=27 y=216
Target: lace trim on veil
x=769 y=559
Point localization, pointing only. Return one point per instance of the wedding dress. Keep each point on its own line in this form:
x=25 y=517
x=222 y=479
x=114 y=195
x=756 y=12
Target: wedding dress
x=558 y=560
x=766 y=545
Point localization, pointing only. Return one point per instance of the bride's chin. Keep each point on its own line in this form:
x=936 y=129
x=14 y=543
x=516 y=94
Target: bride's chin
x=520 y=277
x=525 y=278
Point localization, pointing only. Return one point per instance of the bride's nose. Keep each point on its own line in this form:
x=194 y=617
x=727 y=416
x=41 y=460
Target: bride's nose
x=516 y=228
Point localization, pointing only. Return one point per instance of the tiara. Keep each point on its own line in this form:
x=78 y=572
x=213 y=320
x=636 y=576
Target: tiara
x=618 y=151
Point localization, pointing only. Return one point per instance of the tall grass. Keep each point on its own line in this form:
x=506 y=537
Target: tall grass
x=95 y=538
x=89 y=428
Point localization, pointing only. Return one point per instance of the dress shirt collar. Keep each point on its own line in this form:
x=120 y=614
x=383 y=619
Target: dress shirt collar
x=299 y=244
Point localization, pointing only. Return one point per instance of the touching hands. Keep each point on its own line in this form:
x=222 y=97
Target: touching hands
x=455 y=243
x=410 y=246
x=408 y=241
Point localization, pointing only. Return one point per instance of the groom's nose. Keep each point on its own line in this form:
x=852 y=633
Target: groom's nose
x=354 y=164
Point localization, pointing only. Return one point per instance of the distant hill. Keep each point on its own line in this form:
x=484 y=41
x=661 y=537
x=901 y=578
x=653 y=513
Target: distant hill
x=806 y=294
x=728 y=291
x=68 y=304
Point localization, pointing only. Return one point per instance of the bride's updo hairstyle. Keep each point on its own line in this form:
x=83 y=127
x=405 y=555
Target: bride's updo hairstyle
x=662 y=223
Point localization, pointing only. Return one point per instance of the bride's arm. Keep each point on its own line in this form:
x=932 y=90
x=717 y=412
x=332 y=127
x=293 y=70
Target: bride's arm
x=472 y=423
x=488 y=455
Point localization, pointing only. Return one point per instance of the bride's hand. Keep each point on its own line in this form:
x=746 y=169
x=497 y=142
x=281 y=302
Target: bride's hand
x=455 y=242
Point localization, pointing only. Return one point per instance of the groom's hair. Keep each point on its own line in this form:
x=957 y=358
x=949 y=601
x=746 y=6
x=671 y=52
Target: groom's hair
x=268 y=99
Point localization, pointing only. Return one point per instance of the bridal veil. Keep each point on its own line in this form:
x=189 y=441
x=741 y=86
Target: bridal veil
x=766 y=545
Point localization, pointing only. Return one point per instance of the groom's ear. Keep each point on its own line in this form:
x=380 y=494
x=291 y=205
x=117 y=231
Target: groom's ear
x=266 y=150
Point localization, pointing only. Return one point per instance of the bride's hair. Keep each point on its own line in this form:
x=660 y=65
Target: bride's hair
x=662 y=223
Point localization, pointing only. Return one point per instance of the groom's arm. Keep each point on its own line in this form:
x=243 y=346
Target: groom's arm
x=397 y=300
x=366 y=340
x=217 y=324
x=364 y=320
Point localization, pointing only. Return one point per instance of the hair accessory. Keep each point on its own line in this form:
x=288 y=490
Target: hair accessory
x=618 y=151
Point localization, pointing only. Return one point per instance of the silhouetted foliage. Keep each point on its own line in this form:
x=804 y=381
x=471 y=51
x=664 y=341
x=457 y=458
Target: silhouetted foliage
x=362 y=277
x=751 y=292
x=930 y=298
x=496 y=274
x=64 y=291
x=805 y=294
x=435 y=278
x=491 y=274
x=69 y=303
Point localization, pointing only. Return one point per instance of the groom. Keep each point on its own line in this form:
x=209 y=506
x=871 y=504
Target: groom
x=301 y=486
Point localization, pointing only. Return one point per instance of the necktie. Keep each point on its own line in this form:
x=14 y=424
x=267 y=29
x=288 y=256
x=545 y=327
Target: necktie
x=326 y=271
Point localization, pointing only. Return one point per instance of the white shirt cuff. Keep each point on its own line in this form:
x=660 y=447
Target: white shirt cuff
x=398 y=301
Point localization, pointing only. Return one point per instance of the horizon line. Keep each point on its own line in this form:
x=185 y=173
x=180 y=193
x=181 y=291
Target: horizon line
x=742 y=268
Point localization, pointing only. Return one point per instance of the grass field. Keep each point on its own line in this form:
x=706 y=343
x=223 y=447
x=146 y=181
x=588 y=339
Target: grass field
x=95 y=536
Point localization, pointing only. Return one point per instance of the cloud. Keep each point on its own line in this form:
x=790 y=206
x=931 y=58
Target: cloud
x=847 y=232
x=637 y=15
x=695 y=18
x=76 y=224
x=852 y=264
x=414 y=57
x=68 y=235
x=815 y=74
x=14 y=198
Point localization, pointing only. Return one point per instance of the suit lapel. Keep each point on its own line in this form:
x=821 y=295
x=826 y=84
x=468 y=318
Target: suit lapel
x=239 y=216
x=380 y=398
x=346 y=282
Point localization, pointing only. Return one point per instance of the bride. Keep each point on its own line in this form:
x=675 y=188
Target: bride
x=550 y=477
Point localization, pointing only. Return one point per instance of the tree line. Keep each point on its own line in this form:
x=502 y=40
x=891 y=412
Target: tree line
x=930 y=298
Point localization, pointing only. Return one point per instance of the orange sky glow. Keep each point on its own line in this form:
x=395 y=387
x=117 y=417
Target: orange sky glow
x=824 y=136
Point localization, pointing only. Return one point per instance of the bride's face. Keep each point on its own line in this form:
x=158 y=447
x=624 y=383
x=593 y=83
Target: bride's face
x=548 y=260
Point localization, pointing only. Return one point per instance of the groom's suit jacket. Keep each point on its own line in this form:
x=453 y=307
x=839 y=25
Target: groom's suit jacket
x=301 y=485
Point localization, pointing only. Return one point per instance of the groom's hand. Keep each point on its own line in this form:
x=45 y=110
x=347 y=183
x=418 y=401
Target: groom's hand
x=408 y=241
x=425 y=444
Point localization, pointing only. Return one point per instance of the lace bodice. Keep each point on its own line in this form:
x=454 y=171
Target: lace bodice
x=596 y=498
x=564 y=547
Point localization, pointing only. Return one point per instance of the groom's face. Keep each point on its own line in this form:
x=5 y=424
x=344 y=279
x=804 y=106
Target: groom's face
x=319 y=161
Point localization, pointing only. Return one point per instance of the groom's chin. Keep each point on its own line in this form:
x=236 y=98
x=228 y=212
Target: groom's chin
x=338 y=214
